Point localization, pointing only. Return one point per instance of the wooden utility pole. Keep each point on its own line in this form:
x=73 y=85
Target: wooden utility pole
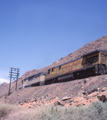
x=10 y=83
x=14 y=74
x=17 y=77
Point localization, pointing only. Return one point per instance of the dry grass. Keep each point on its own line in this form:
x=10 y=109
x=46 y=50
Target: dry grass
x=97 y=111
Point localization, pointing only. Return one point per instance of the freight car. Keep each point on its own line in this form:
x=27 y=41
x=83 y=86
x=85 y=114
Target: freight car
x=34 y=80
x=92 y=63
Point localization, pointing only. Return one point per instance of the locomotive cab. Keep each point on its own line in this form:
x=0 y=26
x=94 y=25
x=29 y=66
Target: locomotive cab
x=96 y=60
x=90 y=59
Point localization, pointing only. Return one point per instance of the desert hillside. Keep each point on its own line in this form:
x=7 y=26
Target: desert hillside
x=81 y=91
x=78 y=92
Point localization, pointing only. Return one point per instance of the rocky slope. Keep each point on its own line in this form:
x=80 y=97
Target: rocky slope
x=55 y=92
x=79 y=92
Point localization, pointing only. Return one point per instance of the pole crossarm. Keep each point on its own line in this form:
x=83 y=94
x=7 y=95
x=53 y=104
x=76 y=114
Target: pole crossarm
x=13 y=74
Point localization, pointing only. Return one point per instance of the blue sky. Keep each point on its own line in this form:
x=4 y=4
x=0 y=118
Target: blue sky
x=36 y=33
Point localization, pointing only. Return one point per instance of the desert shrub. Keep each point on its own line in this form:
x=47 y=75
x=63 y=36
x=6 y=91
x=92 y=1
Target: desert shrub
x=96 y=111
x=6 y=109
x=95 y=88
x=3 y=112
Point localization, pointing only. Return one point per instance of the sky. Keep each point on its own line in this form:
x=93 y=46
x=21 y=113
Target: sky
x=36 y=33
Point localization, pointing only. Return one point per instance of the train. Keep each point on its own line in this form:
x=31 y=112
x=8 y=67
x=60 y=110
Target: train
x=34 y=80
x=89 y=64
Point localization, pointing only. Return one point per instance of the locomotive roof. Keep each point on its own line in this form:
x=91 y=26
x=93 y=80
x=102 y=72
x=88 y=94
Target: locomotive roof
x=95 y=51
x=36 y=75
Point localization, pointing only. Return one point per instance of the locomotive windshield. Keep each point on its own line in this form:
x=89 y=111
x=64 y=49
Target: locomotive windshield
x=91 y=60
x=48 y=71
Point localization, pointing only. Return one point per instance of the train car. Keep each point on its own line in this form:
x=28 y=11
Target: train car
x=34 y=80
x=89 y=64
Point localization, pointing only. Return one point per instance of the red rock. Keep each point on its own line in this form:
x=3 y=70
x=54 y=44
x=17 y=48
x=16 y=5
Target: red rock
x=93 y=94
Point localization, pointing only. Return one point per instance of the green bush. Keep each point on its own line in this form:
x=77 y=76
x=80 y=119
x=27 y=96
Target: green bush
x=95 y=88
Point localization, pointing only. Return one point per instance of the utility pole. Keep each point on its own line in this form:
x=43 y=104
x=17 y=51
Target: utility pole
x=14 y=74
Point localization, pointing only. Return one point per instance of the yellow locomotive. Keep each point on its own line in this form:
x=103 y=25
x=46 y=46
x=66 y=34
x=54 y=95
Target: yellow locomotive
x=89 y=64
